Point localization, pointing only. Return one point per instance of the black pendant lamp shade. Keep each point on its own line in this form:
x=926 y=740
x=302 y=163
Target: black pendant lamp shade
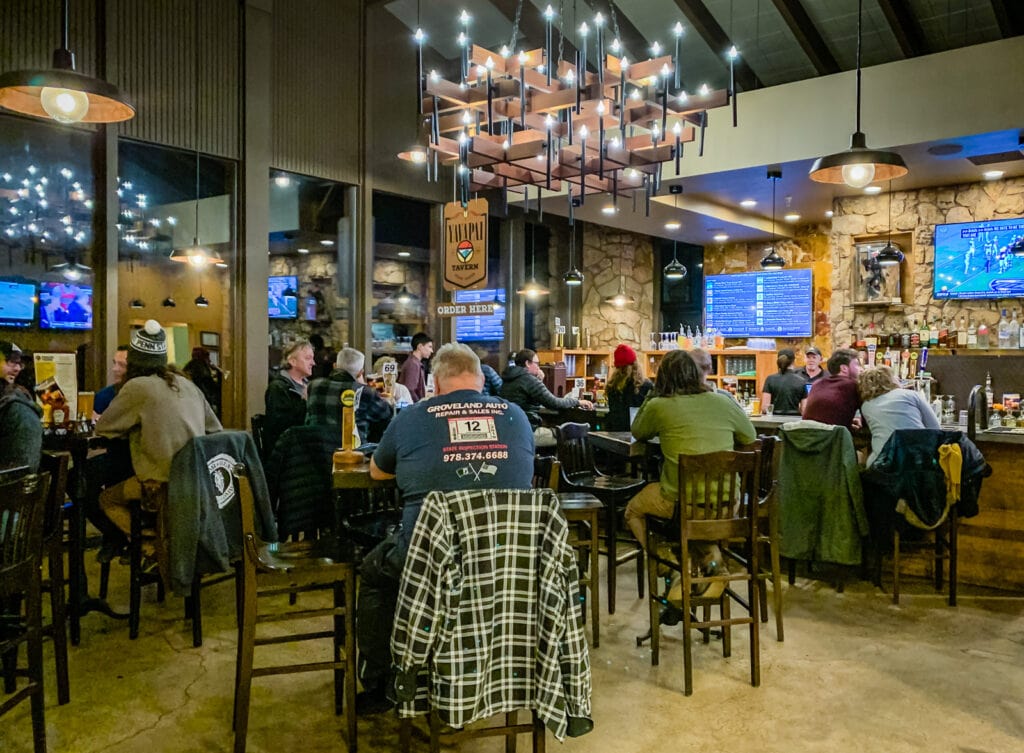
x=858 y=166
x=63 y=94
x=573 y=278
x=772 y=260
x=890 y=256
x=202 y=301
x=674 y=270
x=136 y=303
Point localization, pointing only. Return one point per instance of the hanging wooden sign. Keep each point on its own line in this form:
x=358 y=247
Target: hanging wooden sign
x=465 y=245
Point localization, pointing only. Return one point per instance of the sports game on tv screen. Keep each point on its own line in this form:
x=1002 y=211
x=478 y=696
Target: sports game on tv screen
x=283 y=297
x=976 y=260
x=64 y=305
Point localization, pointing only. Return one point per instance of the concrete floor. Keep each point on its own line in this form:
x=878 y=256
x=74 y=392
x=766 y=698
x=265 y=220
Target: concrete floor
x=854 y=674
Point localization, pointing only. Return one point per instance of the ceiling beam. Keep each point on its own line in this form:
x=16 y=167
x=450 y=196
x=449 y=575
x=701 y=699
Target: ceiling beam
x=905 y=27
x=1009 y=16
x=531 y=26
x=714 y=36
x=807 y=34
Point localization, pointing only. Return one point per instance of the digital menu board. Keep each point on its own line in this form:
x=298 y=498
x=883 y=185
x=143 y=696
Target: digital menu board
x=478 y=328
x=777 y=303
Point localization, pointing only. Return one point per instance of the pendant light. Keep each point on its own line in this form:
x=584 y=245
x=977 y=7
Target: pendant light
x=772 y=260
x=858 y=165
x=196 y=254
x=890 y=256
x=136 y=302
x=674 y=270
x=72 y=270
x=573 y=278
x=168 y=302
x=61 y=93
x=532 y=289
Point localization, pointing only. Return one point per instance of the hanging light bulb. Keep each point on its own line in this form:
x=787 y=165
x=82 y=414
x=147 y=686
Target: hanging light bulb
x=573 y=278
x=202 y=301
x=533 y=290
x=772 y=260
x=674 y=270
x=136 y=303
x=168 y=302
x=890 y=256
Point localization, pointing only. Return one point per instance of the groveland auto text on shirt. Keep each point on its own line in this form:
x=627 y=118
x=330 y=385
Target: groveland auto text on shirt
x=472 y=435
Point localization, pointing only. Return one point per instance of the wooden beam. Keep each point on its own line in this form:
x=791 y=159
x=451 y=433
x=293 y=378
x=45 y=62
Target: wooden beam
x=808 y=36
x=714 y=36
x=531 y=26
x=905 y=28
x=1009 y=16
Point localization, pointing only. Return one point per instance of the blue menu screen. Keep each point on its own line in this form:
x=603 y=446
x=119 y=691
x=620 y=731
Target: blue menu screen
x=779 y=303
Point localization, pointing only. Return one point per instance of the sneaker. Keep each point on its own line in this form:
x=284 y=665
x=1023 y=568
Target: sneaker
x=373 y=701
x=149 y=565
x=670 y=615
x=710 y=567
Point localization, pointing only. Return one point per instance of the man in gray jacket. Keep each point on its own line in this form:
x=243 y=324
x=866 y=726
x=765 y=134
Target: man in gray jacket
x=21 y=433
x=523 y=384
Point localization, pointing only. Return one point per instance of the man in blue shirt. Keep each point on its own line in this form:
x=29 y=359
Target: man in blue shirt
x=460 y=439
x=118 y=367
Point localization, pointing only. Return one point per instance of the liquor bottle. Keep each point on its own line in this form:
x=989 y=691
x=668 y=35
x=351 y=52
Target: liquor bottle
x=933 y=333
x=1003 y=331
x=915 y=336
x=989 y=397
x=872 y=336
x=983 y=336
x=924 y=333
x=972 y=334
x=944 y=334
x=893 y=340
x=905 y=338
x=961 y=332
x=1014 y=331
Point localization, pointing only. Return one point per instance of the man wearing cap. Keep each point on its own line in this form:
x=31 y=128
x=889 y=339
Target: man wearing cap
x=834 y=399
x=626 y=388
x=812 y=370
x=20 y=426
x=159 y=410
x=523 y=384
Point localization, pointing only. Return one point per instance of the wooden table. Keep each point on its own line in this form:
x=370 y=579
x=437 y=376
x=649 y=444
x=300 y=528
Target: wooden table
x=583 y=507
x=357 y=477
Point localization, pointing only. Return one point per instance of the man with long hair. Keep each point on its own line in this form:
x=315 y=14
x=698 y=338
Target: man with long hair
x=690 y=418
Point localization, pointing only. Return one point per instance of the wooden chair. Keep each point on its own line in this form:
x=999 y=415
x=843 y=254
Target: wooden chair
x=579 y=474
x=22 y=513
x=282 y=569
x=582 y=511
x=512 y=727
x=718 y=497
x=56 y=465
x=258 y=424
x=768 y=531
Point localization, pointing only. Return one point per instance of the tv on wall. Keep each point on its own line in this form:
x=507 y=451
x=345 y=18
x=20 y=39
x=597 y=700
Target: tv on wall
x=17 y=303
x=975 y=260
x=64 y=305
x=479 y=328
x=778 y=303
x=283 y=297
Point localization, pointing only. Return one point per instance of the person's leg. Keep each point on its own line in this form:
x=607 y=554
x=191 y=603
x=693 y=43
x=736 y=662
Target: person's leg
x=114 y=502
x=648 y=501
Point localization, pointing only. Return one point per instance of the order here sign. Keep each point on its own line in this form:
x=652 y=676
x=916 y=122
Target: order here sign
x=466 y=309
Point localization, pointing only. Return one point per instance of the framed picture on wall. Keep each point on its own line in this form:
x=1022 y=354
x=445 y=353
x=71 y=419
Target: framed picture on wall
x=873 y=282
x=209 y=339
x=215 y=357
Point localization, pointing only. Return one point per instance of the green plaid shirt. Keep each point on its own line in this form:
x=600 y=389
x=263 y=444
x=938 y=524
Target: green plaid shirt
x=323 y=405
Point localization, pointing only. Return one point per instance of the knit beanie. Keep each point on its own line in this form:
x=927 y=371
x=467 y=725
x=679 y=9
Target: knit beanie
x=624 y=356
x=147 y=347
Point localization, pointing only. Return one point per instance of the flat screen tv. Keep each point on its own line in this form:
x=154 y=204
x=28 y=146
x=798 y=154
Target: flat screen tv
x=65 y=305
x=779 y=303
x=283 y=297
x=478 y=328
x=974 y=260
x=17 y=303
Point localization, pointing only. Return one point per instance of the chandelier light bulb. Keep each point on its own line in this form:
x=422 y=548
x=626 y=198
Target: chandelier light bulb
x=549 y=13
x=464 y=18
x=584 y=29
x=678 y=29
x=599 y=20
x=419 y=36
x=733 y=53
x=64 y=105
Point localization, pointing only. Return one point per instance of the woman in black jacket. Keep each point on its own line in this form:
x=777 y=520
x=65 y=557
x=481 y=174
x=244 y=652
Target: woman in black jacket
x=626 y=389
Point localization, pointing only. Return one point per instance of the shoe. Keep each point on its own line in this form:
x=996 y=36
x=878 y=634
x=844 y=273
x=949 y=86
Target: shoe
x=670 y=615
x=149 y=565
x=373 y=701
x=709 y=568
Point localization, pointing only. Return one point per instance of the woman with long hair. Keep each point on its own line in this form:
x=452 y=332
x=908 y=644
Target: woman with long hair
x=887 y=407
x=627 y=388
x=690 y=418
x=786 y=388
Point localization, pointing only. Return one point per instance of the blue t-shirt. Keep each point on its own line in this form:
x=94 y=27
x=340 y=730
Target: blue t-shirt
x=103 y=398
x=462 y=440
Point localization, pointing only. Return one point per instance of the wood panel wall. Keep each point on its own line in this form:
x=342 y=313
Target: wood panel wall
x=30 y=32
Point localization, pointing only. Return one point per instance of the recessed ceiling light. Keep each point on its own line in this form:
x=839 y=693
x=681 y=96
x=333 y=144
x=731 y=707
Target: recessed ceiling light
x=609 y=209
x=326 y=243
x=829 y=213
x=791 y=217
x=748 y=203
x=873 y=189
x=673 y=225
x=721 y=237
x=302 y=250
x=404 y=254
x=993 y=174
x=282 y=181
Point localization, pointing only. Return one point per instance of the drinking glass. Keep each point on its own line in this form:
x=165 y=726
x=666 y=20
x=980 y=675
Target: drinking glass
x=768 y=409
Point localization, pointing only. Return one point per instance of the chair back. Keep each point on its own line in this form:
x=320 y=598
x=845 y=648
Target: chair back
x=259 y=429
x=22 y=510
x=55 y=465
x=545 y=472
x=574 y=450
x=298 y=474
x=718 y=494
x=769 y=463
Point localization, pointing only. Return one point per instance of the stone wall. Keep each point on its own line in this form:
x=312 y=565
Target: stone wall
x=607 y=254
x=315 y=272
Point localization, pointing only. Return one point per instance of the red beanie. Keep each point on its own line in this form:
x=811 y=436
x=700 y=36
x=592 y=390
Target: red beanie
x=624 y=356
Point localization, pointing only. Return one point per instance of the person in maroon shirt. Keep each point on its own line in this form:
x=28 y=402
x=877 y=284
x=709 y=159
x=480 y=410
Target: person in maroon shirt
x=834 y=399
x=413 y=373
